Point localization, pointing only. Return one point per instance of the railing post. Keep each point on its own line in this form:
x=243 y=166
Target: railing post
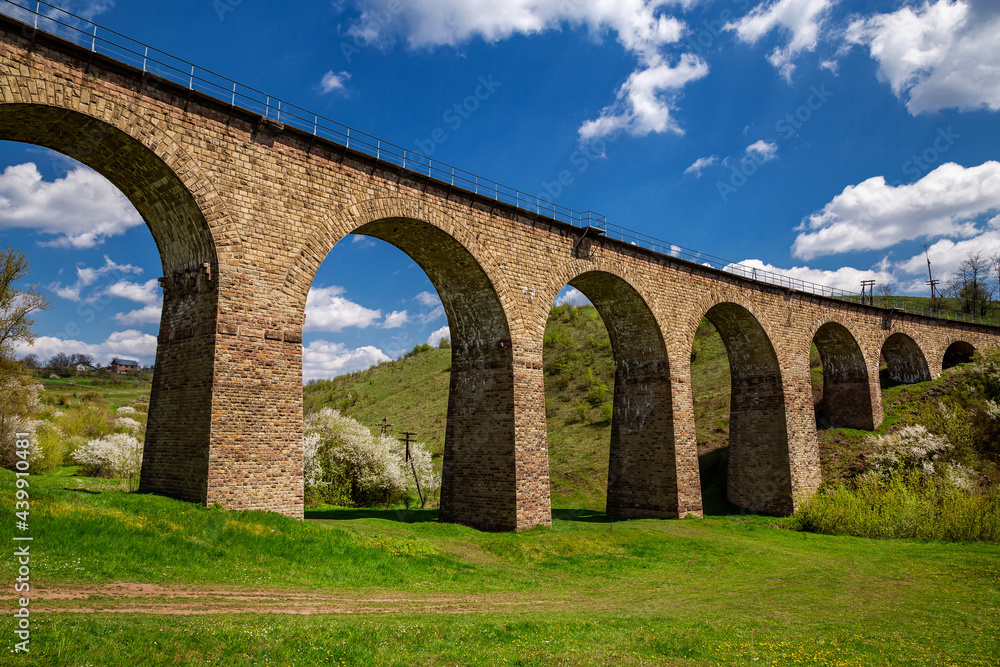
x=93 y=43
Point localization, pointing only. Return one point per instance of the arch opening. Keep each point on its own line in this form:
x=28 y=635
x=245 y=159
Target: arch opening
x=642 y=471
x=957 y=353
x=178 y=433
x=759 y=473
x=845 y=387
x=905 y=361
x=479 y=485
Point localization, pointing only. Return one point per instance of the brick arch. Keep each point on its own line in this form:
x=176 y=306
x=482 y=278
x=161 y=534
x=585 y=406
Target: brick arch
x=905 y=359
x=957 y=352
x=412 y=218
x=759 y=477
x=642 y=467
x=847 y=392
x=480 y=474
x=179 y=203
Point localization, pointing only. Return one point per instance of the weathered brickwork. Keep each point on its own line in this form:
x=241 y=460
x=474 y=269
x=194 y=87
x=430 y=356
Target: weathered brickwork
x=244 y=211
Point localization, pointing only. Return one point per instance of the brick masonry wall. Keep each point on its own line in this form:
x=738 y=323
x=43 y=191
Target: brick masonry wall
x=244 y=211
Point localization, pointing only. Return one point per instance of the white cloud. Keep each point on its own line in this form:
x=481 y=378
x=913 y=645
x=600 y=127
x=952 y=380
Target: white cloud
x=395 y=319
x=322 y=359
x=802 y=20
x=646 y=101
x=846 y=278
x=87 y=276
x=146 y=315
x=762 y=151
x=428 y=299
x=327 y=310
x=573 y=297
x=644 y=28
x=433 y=302
x=130 y=344
x=80 y=210
x=147 y=292
x=333 y=81
x=436 y=337
x=873 y=215
x=700 y=165
x=946 y=254
x=936 y=56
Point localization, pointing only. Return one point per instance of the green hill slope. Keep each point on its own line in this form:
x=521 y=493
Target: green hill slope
x=579 y=379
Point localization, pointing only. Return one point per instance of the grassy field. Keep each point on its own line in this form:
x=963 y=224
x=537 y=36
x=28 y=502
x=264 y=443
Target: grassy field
x=115 y=391
x=128 y=579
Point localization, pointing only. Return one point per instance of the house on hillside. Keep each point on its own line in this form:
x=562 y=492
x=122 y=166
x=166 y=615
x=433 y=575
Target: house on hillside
x=122 y=366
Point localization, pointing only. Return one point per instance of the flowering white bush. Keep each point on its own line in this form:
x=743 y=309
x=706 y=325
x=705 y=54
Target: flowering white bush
x=341 y=452
x=118 y=454
x=127 y=424
x=916 y=448
x=126 y=410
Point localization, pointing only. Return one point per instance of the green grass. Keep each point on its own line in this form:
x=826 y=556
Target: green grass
x=735 y=590
x=116 y=391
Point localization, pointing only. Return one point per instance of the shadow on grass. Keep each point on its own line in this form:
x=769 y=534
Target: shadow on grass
x=349 y=513
x=585 y=516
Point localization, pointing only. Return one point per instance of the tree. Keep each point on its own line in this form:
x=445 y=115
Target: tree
x=16 y=306
x=971 y=284
x=30 y=361
x=886 y=289
x=60 y=361
x=84 y=359
x=18 y=394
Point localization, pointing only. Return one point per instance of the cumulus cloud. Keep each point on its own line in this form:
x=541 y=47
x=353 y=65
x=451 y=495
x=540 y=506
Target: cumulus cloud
x=395 y=319
x=846 y=278
x=432 y=301
x=873 y=215
x=573 y=297
x=80 y=210
x=700 y=165
x=87 y=276
x=762 y=151
x=946 y=254
x=327 y=310
x=147 y=292
x=146 y=315
x=938 y=55
x=437 y=336
x=644 y=28
x=131 y=344
x=323 y=359
x=800 y=20
x=333 y=81
x=646 y=101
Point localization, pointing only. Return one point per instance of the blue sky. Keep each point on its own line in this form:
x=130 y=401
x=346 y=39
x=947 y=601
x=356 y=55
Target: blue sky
x=826 y=139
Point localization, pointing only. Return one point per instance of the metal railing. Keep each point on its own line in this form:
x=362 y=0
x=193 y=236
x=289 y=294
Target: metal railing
x=45 y=17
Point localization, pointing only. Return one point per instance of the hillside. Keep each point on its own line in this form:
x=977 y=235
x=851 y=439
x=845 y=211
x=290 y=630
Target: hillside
x=579 y=379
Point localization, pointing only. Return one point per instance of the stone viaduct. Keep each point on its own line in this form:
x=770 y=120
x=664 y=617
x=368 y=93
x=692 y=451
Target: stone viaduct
x=244 y=211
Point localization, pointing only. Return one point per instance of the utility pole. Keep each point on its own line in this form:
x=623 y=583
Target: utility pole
x=870 y=284
x=408 y=438
x=930 y=278
x=384 y=426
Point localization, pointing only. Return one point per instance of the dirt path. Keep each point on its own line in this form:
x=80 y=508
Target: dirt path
x=155 y=599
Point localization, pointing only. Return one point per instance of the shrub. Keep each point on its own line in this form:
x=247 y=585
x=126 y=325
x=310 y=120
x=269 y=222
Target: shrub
x=903 y=503
x=18 y=404
x=92 y=397
x=86 y=422
x=116 y=455
x=344 y=464
x=126 y=410
x=140 y=407
x=128 y=425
